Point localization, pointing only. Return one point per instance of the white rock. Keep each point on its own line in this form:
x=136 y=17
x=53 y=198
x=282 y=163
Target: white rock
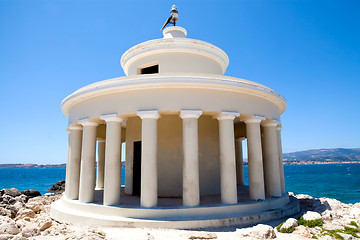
x=355 y=212
x=49 y=194
x=309 y=215
x=30 y=231
x=347 y=236
x=334 y=204
x=21 y=198
x=8 y=226
x=150 y=237
x=24 y=212
x=21 y=223
x=45 y=225
x=357 y=205
x=38 y=200
x=5 y=219
x=47 y=200
x=303 y=231
x=5 y=212
x=327 y=215
x=326 y=237
x=6 y=236
x=19 y=205
x=35 y=206
x=259 y=231
x=303 y=196
x=333 y=225
x=201 y=235
x=291 y=222
x=11 y=192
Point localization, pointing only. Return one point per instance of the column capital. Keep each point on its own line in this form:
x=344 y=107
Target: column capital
x=146 y=114
x=279 y=127
x=226 y=115
x=87 y=122
x=277 y=121
x=111 y=117
x=240 y=139
x=185 y=113
x=74 y=127
x=269 y=123
x=254 y=119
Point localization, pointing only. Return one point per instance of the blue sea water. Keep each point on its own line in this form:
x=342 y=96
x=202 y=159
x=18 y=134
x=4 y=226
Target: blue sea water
x=340 y=181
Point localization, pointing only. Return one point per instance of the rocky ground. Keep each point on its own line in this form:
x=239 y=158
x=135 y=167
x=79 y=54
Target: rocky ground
x=25 y=215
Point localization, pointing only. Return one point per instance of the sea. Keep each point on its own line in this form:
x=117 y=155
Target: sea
x=339 y=181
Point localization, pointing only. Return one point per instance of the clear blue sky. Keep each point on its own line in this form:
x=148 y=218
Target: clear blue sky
x=306 y=50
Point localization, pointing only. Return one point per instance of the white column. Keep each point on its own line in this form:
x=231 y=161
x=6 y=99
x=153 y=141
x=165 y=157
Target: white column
x=191 y=186
x=281 y=163
x=100 y=163
x=255 y=161
x=149 y=185
x=67 y=182
x=112 y=180
x=88 y=159
x=227 y=157
x=73 y=164
x=271 y=160
x=239 y=161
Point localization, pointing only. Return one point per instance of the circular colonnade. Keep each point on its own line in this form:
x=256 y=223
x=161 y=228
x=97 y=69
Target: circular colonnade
x=183 y=126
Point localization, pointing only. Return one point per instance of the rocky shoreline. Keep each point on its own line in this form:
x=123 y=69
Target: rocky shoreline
x=25 y=215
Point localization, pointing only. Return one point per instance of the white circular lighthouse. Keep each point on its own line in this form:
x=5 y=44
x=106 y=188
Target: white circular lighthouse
x=183 y=122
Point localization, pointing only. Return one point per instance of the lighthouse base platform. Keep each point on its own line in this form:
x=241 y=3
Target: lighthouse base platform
x=204 y=216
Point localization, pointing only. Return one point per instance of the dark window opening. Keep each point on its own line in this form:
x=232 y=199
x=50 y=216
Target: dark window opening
x=150 y=70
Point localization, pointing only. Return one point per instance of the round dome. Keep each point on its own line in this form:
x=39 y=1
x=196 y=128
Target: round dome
x=174 y=53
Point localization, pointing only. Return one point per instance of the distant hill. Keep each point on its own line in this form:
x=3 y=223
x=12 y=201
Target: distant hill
x=30 y=165
x=332 y=155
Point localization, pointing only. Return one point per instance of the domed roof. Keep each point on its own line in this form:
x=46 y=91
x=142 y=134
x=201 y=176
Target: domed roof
x=175 y=53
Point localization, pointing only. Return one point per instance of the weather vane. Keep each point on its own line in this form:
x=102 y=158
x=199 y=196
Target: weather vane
x=173 y=17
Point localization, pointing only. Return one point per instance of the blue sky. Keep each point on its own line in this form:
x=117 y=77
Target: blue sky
x=306 y=50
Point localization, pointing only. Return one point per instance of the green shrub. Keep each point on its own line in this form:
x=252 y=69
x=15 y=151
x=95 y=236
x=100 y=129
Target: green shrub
x=347 y=230
x=352 y=231
x=284 y=230
x=288 y=230
x=334 y=233
x=353 y=223
x=279 y=226
x=310 y=223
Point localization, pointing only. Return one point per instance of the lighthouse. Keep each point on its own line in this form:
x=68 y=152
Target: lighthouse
x=182 y=124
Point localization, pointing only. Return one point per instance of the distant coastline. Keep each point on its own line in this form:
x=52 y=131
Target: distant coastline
x=314 y=156
x=123 y=165
x=318 y=162
x=31 y=165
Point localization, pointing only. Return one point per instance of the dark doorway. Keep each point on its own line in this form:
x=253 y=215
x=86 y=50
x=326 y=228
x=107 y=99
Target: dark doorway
x=137 y=168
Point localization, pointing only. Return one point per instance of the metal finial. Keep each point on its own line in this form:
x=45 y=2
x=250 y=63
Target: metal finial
x=173 y=17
